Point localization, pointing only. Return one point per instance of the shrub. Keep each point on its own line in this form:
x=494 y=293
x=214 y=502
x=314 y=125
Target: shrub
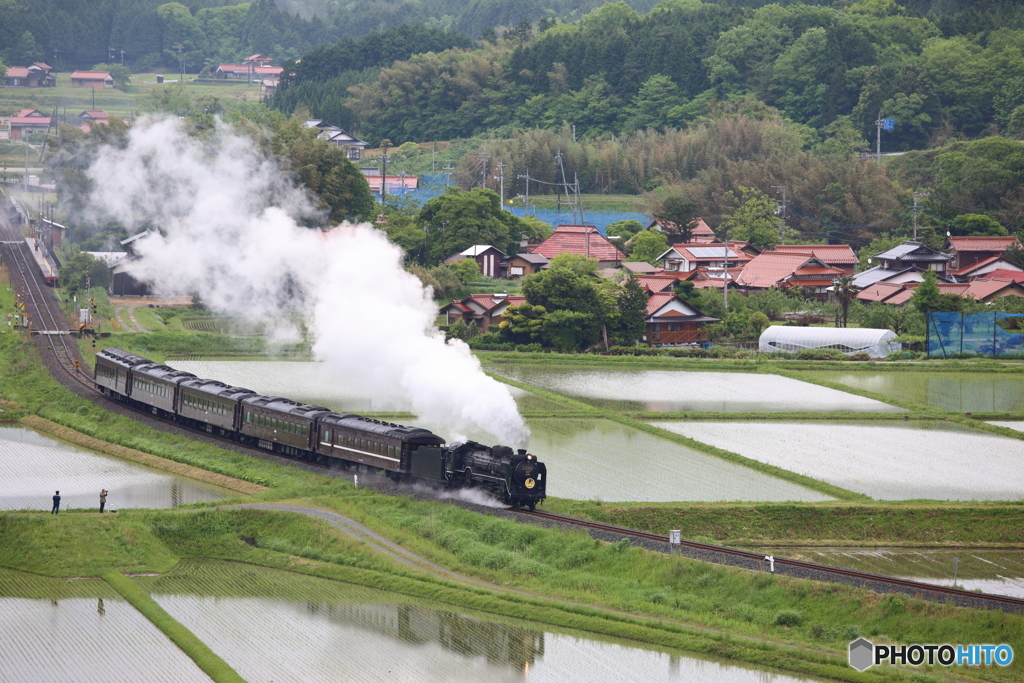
x=490 y=341
x=688 y=353
x=529 y=348
x=820 y=354
x=860 y=355
x=789 y=617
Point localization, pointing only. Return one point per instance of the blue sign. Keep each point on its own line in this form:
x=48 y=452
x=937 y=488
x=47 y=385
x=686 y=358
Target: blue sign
x=888 y=124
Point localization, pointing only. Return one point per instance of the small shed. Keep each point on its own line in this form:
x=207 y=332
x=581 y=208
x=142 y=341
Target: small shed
x=848 y=340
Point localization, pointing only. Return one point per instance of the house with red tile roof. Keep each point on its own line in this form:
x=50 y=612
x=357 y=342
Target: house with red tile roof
x=984 y=268
x=1015 y=275
x=585 y=240
x=671 y=321
x=655 y=284
x=28 y=121
x=92 y=79
x=779 y=269
x=36 y=75
x=970 y=250
x=705 y=278
x=700 y=233
x=485 y=309
x=984 y=290
x=839 y=256
x=682 y=258
x=247 y=72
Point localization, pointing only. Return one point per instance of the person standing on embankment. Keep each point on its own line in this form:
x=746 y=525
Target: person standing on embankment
x=103 y=499
x=56 y=503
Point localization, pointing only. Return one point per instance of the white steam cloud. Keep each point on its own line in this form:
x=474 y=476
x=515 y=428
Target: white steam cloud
x=229 y=217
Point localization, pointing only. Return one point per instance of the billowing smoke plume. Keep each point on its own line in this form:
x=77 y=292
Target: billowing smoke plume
x=229 y=219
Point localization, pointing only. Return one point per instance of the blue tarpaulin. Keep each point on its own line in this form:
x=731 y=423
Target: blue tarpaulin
x=952 y=333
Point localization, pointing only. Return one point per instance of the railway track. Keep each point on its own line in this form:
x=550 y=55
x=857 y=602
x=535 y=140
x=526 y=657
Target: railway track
x=799 y=568
x=45 y=315
x=49 y=320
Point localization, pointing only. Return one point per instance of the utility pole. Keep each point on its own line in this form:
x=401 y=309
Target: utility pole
x=122 y=56
x=725 y=280
x=577 y=202
x=110 y=55
x=781 y=211
x=385 y=144
x=447 y=174
x=484 y=156
x=526 y=208
x=501 y=180
x=916 y=196
x=56 y=57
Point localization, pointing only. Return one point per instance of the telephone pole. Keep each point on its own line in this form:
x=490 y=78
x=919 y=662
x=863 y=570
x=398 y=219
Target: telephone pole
x=501 y=180
x=916 y=196
x=526 y=207
x=447 y=174
x=484 y=156
x=781 y=211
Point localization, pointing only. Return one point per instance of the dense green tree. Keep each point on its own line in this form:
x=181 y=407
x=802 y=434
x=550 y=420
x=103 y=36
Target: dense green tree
x=459 y=219
x=926 y=295
x=624 y=229
x=647 y=245
x=631 y=303
x=523 y=324
x=83 y=267
x=677 y=216
x=341 y=189
x=752 y=219
x=976 y=224
x=122 y=74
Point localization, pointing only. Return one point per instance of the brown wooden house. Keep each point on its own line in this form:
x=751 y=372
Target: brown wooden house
x=671 y=321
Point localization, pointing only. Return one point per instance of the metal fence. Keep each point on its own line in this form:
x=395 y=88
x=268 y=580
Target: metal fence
x=979 y=333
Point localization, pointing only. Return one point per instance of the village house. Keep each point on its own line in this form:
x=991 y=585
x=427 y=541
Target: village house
x=28 y=121
x=839 y=256
x=36 y=75
x=522 y=265
x=700 y=233
x=584 y=240
x=904 y=263
x=487 y=258
x=782 y=270
x=484 y=309
x=92 y=79
x=672 y=321
x=258 y=60
x=969 y=251
x=251 y=72
x=354 y=147
x=683 y=258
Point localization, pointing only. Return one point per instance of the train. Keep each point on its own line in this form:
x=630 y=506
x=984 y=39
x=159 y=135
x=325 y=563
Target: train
x=318 y=435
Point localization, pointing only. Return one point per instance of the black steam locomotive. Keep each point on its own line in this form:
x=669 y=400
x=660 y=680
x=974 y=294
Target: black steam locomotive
x=316 y=434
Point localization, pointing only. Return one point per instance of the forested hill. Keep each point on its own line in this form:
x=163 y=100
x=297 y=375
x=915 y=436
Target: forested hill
x=959 y=70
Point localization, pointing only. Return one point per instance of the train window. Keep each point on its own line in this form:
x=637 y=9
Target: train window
x=327 y=435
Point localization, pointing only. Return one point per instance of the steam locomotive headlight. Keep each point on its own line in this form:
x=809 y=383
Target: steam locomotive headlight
x=529 y=483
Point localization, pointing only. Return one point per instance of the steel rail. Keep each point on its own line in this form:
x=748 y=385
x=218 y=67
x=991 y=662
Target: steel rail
x=779 y=561
x=41 y=304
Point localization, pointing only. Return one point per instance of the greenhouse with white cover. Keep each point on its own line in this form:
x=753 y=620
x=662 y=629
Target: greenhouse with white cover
x=849 y=340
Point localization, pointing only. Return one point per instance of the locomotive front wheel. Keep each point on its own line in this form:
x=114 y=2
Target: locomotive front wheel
x=533 y=506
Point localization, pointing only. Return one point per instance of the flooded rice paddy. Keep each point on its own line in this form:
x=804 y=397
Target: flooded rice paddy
x=309 y=382
x=956 y=391
x=992 y=571
x=33 y=466
x=81 y=631
x=1019 y=426
x=887 y=461
x=596 y=459
x=276 y=626
x=679 y=391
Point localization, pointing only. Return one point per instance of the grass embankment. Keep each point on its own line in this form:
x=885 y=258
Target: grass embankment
x=580 y=576
x=214 y=667
x=825 y=524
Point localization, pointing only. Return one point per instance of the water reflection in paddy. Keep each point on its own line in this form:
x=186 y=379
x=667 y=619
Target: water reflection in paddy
x=888 y=461
x=678 y=391
x=591 y=458
x=33 y=466
x=955 y=391
x=311 y=383
x=81 y=631
x=998 y=571
x=274 y=626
